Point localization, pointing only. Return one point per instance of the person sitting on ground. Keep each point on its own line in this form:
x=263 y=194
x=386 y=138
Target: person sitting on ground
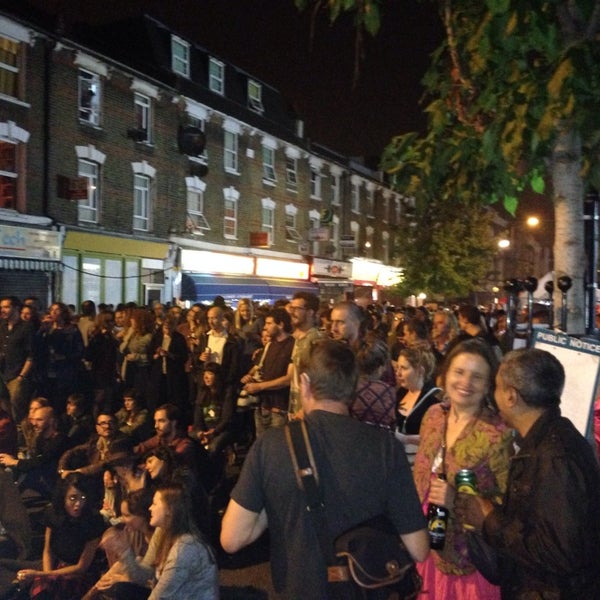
x=178 y=561
x=38 y=471
x=77 y=424
x=163 y=468
x=134 y=532
x=133 y=419
x=95 y=455
x=26 y=432
x=73 y=531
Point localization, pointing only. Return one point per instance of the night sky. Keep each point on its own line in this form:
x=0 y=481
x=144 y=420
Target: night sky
x=271 y=40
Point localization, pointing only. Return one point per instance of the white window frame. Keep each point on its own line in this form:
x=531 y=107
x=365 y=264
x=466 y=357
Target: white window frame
x=231 y=202
x=142 y=106
x=386 y=205
x=216 y=76
x=291 y=173
x=268 y=155
x=336 y=189
x=268 y=219
x=197 y=116
x=255 y=96
x=12 y=177
x=355 y=183
x=315 y=183
x=196 y=220
x=180 y=61
x=291 y=229
x=231 y=151
x=88 y=210
x=370 y=187
x=385 y=247
x=142 y=190
x=91 y=84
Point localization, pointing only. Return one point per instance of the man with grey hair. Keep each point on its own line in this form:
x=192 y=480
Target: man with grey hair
x=363 y=473
x=547 y=530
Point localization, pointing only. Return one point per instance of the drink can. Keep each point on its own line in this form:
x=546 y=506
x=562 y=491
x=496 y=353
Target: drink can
x=466 y=482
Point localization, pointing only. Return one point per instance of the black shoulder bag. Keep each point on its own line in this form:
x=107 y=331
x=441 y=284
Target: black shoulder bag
x=367 y=562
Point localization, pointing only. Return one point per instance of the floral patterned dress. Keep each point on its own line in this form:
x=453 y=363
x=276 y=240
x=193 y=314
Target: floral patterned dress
x=484 y=446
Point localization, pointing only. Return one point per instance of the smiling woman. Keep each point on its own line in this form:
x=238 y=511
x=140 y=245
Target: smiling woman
x=461 y=433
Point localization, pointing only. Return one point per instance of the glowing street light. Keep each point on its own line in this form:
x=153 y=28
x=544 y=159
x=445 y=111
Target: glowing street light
x=504 y=243
x=532 y=221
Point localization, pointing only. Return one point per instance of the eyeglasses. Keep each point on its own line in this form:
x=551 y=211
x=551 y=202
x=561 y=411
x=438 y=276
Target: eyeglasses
x=104 y=423
x=76 y=498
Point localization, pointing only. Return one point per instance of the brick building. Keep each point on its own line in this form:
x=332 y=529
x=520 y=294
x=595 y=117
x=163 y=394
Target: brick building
x=138 y=166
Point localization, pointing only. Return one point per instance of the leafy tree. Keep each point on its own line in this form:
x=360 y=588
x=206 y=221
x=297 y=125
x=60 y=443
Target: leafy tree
x=514 y=93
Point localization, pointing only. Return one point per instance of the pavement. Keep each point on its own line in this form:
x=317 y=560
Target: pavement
x=248 y=568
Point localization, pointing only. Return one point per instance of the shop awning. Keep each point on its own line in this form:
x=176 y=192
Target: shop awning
x=30 y=264
x=198 y=287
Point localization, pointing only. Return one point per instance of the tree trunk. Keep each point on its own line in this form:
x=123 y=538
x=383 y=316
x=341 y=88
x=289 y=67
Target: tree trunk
x=569 y=252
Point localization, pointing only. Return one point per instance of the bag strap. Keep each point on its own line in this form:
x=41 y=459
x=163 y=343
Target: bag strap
x=307 y=476
x=303 y=461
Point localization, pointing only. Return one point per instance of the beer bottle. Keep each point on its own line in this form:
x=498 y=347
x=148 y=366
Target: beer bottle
x=437 y=523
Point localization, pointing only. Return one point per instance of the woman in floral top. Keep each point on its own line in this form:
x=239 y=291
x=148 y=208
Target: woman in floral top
x=461 y=433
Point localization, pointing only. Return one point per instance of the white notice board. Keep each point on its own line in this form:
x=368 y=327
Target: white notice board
x=581 y=361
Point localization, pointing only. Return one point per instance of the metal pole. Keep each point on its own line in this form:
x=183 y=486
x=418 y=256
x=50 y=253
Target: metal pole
x=590 y=224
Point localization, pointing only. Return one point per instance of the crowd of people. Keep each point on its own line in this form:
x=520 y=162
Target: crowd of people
x=117 y=424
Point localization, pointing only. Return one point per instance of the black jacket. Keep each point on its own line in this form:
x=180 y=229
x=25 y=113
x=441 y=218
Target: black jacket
x=548 y=529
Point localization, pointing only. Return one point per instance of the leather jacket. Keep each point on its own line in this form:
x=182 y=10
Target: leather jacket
x=548 y=530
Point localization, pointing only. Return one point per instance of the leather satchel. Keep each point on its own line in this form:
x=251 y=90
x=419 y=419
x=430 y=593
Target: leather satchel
x=370 y=560
x=378 y=561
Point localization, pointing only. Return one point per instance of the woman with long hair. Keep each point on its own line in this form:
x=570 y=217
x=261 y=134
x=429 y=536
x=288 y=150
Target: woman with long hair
x=134 y=533
x=135 y=348
x=461 y=432
x=178 y=562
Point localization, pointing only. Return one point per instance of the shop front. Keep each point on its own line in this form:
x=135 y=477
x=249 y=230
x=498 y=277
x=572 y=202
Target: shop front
x=333 y=278
x=30 y=258
x=207 y=274
x=112 y=269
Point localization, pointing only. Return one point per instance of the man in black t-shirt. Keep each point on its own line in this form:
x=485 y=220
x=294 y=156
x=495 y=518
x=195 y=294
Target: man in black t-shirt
x=363 y=473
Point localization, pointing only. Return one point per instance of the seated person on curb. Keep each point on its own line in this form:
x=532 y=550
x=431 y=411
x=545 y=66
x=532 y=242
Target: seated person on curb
x=168 y=423
x=178 y=563
x=362 y=470
x=38 y=472
x=94 y=456
x=73 y=531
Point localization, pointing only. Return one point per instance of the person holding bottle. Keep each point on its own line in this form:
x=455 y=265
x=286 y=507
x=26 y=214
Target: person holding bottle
x=462 y=432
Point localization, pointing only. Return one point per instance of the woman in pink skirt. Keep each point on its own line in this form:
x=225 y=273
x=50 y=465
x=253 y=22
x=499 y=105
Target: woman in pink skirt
x=462 y=432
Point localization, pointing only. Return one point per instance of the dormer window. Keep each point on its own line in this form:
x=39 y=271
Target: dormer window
x=180 y=56
x=255 y=96
x=216 y=76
